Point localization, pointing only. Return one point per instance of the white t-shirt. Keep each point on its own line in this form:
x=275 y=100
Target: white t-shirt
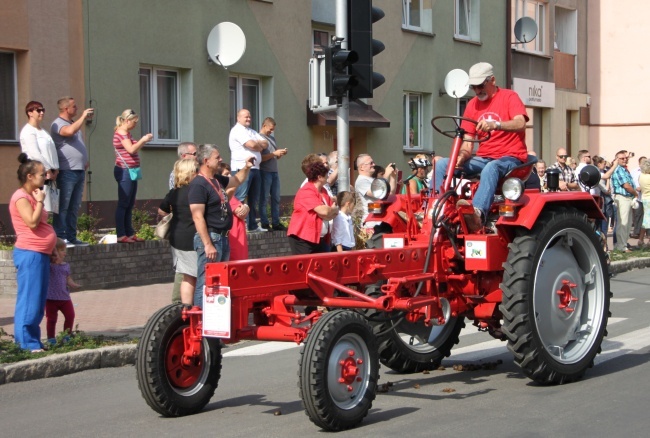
x=362 y=186
x=38 y=145
x=239 y=135
x=595 y=191
x=343 y=231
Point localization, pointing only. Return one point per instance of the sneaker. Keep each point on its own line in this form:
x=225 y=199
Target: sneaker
x=257 y=230
x=78 y=242
x=267 y=227
x=69 y=244
x=279 y=227
x=51 y=341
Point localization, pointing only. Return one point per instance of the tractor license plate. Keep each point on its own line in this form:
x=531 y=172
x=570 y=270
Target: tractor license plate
x=485 y=253
x=216 y=312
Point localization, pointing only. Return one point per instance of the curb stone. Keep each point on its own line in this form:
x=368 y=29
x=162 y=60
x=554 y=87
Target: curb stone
x=63 y=364
x=122 y=355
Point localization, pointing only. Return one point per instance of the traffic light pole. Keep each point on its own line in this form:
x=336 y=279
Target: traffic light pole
x=343 y=111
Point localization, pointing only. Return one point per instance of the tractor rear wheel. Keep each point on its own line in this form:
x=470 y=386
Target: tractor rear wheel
x=169 y=386
x=413 y=347
x=338 y=370
x=556 y=297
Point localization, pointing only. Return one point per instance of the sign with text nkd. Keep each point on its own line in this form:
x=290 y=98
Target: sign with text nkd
x=535 y=93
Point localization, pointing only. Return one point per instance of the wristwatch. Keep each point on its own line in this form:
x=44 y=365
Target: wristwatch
x=498 y=128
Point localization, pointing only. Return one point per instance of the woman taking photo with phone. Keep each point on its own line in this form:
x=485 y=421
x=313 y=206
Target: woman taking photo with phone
x=127 y=173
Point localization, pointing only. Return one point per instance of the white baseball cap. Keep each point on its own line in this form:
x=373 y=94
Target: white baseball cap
x=478 y=73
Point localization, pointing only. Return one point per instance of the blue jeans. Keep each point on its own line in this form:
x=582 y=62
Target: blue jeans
x=254 y=191
x=126 y=191
x=242 y=191
x=33 y=277
x=71 y=186
x=270 y=189
x=490 y=170
x=222 y=244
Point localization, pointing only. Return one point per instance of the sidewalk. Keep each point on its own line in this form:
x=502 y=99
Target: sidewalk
x=111 y=312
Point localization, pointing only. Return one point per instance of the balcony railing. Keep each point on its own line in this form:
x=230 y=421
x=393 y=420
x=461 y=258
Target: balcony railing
x=564 y=70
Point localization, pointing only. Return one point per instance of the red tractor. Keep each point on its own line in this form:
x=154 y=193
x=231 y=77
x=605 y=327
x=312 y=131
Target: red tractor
x=536 y=277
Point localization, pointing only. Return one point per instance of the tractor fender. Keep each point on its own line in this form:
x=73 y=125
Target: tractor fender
x=531 y=205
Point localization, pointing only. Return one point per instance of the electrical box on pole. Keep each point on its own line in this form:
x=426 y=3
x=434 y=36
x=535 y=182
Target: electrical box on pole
x=361 y=16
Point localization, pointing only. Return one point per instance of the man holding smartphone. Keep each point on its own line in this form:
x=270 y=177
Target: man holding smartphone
x=270 y=178
x=73 y=163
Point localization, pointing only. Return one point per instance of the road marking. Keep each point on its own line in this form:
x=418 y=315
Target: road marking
x=260 y=349
x=620 y=300
x=624 y=344
x=473 y=352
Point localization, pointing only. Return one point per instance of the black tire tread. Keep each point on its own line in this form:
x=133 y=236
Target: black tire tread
x=518 y=326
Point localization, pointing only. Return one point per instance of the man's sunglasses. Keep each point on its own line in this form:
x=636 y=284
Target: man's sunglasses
x=562 y=156
x=39 y=110
x=482 y=84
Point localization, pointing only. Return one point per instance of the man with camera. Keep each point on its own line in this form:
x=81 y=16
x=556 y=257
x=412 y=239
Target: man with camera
x=366 y=166
x=73 y=163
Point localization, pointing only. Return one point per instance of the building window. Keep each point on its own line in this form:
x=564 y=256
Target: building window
x=412 y=135
x=468 y=20
x=8 y=92
x=322 y=40
x=417 y=15
x=537 y=11
x=159 y=104
x=245 y=92
x=461 y=105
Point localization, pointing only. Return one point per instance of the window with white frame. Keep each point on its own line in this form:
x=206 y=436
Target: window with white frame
x=245 y=92
x=468 y=20
x=159 y=104
x=412 y=135
x=8 y=90
x=537 y=11
x=417 y=15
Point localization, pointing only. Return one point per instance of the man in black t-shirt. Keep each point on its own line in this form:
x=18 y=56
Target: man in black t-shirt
x=211 y=212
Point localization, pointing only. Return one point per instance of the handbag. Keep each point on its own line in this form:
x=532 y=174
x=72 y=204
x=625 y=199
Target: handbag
x=135 y=173
x=163 y=229
x=52 y=194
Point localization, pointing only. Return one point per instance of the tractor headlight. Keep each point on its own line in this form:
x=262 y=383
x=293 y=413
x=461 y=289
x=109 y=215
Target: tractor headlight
x=380 y=188
x=512 y=189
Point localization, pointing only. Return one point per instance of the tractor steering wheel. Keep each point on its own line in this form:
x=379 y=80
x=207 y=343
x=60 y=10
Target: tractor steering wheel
x=439 y=121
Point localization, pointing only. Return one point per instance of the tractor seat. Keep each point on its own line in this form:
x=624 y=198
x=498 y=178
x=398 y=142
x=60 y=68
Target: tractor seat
x=523 y=170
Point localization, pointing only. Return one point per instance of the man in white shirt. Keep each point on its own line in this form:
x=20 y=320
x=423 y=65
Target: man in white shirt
x=245 y=142
x=365 y=167
x=584 y=158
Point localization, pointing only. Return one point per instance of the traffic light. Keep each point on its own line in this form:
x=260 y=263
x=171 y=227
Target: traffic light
x=361 y=16
x=337 y=79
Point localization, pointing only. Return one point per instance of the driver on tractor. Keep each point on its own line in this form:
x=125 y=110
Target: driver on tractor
x=500 y=112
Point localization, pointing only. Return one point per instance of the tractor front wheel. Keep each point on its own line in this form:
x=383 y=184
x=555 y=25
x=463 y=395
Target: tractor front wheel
x=338 y=370
x=172 y=385
x=556 y=297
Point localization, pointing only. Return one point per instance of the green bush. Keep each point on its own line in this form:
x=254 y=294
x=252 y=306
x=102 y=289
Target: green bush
x=146 y=232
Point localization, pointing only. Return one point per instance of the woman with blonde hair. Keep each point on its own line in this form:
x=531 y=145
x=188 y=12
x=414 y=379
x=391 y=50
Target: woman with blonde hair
x=127 y=173
x=182 y=230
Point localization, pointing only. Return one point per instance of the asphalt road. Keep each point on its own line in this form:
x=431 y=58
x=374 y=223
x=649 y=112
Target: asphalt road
x=258 y=383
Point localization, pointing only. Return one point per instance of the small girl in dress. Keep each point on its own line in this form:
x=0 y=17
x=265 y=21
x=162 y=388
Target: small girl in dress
x=58 y=293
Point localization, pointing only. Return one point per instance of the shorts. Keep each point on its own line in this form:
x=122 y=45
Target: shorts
x=185 y=262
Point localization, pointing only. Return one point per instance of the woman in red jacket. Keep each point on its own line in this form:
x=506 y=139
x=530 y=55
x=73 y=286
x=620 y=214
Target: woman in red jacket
x=309 y=229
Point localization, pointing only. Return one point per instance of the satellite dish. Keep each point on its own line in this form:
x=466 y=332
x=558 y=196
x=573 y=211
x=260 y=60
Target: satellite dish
x=525 y=30
x=456 y=83
x=226 y=44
